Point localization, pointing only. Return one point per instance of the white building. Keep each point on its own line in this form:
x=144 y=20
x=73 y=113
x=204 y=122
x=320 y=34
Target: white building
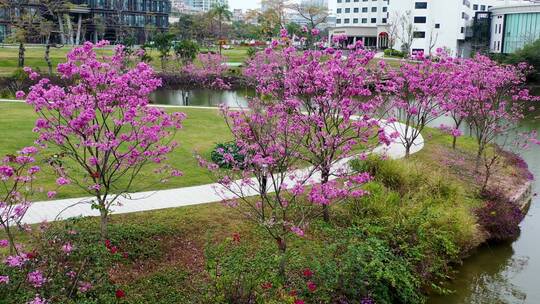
x=203 y=5
x=427 y=25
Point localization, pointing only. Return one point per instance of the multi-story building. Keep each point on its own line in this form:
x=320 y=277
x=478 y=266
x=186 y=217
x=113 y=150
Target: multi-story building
x=514 y=26
x=410 y=25
x=107 y=19
x=204 y=5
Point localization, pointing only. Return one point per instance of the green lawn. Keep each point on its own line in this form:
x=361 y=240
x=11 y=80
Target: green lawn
x=202 y=130
x=34 y=57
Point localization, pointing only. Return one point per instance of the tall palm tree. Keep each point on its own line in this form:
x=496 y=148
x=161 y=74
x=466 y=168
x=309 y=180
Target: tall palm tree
x=222 y=13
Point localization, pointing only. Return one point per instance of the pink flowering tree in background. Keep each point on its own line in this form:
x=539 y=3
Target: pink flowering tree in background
x=458 y=103
x=103 y=125
x=17 y=177
x=497 y=104
x=335 y=99
x=209 y=69
x=420 y=91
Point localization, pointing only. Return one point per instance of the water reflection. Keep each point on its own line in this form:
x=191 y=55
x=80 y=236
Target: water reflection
x=201 y=97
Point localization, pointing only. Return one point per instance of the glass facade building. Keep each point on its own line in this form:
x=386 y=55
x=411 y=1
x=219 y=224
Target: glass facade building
x=513 y=27
x=519 y=30
x=110 y=19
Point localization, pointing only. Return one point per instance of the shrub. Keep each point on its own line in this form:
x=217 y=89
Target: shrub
x=186 y=50
x=422 y=215
x=60 y=265
x=251 y=51
x=356 y=267
x=394 y=53
x=240 y=273
x=226 y=155
x=529 y=53
x=392 y=173
x=499 y=217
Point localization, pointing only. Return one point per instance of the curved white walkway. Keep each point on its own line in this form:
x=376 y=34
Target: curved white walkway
x=152 y=200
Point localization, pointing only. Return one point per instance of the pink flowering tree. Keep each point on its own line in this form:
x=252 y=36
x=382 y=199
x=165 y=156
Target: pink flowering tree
x=209 y=69
x=17 y=177
x=335 y=100
x=458 y=104
x=270 y=142
x=270 y=185
x=496 y=105
x=420 y=91
x=103 y=125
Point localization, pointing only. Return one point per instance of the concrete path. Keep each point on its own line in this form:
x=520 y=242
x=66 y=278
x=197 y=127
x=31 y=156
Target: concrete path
x=195 y=195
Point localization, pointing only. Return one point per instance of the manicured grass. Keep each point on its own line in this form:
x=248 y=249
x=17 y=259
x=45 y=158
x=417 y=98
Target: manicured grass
x=34 y=57
x=202 y=130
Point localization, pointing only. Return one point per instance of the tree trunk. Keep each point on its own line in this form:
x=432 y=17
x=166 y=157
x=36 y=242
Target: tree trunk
x=325 y=176
x=104 y=224
x=79 y=24
x=70 y=29
x=220 y=35
x=11 y=241
x=282 y=246
x=454 y=141
x=479 y=157
x=61 y=28
x=47 y=55
x=407 y=150
x=21 y=55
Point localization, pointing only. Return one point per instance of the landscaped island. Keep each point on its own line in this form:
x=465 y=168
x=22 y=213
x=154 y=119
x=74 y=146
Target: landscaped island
x=313 y=209
x=421 y=218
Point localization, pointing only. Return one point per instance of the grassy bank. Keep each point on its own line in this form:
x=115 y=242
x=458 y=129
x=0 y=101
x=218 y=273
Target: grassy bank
x=203 y=128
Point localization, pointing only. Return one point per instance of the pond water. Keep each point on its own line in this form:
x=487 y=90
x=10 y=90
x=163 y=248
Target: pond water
x=201 y=97
x=495 y=274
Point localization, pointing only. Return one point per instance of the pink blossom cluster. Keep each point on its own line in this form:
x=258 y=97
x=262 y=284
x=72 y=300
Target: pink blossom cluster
x=210 y=69
x=17 y=176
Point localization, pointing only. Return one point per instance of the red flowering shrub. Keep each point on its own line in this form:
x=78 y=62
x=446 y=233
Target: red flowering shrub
x=499 y=217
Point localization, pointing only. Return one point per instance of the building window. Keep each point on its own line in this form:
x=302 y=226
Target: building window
x=373 y=20
x=384 y=20
x=338 y=11
x=385 y=9
x=347 y=10
x=339 y=1
x=346 y=20
x=420 y=19
x=356 y=9
x=355 y=20
x=475 y=7
x=338 y=21
x=482 y=8
x=364 y=20
x=437 y=25
x=420 y=5
x=364 y=9
x=462 y=30
x=419 y=34
x=374 y=9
